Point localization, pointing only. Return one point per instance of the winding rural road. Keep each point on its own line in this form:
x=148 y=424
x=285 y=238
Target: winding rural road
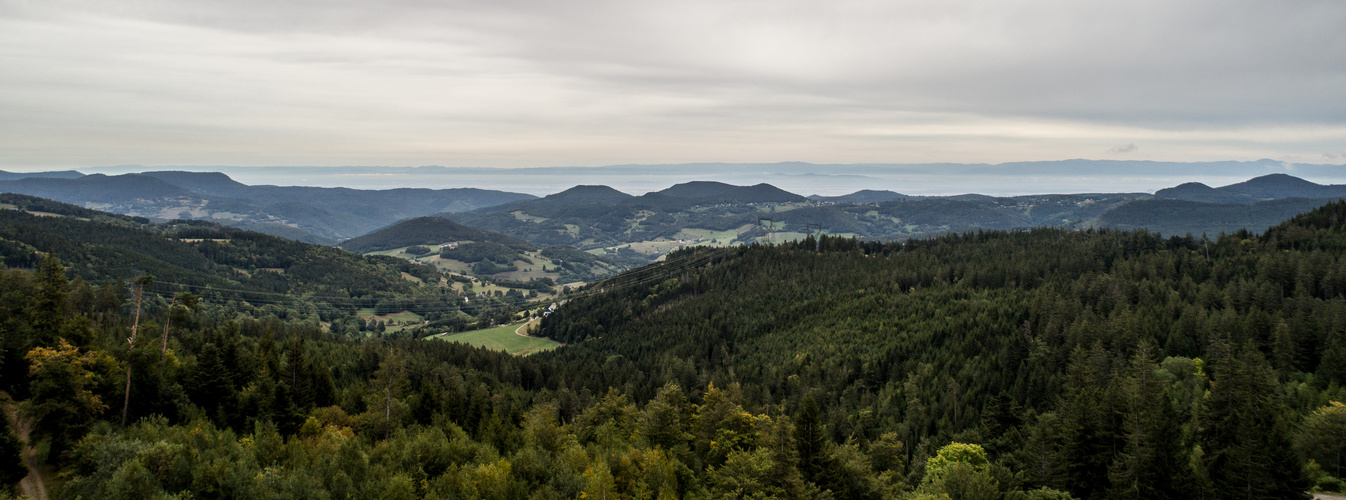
x=31 y=486
x=519 y=331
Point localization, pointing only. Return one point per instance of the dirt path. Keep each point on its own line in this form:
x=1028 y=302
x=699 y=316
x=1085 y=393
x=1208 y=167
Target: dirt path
x=31 y=486
x=519 y=331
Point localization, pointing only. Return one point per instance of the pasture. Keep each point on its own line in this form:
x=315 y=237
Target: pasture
x=501 y=338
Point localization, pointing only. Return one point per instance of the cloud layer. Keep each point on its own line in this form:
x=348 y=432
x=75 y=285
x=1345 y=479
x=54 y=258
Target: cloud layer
x=591 y=82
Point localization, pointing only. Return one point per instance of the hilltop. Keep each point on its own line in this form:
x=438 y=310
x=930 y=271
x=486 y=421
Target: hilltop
x=862 y=196
x=424 y=231
x=1266 y=187
x=464 y=251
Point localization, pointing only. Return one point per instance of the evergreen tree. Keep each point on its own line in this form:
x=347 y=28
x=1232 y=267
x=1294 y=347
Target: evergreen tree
x=212 y=384
x=1247 y=449
x=1149 y=466
x=810 y=441
x=48 y=305
x=12 y=469
x=666 y=418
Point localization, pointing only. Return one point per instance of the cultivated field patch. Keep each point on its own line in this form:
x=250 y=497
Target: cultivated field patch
x=502 y=338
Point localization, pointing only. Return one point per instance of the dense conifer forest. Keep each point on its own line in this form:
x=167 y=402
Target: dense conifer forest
x=1042 y=364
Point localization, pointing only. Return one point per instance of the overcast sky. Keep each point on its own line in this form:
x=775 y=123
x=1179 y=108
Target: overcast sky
x=513 y=83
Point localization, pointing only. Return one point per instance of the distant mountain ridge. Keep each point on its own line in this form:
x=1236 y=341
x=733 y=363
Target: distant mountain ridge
x=1266 y=187
x=863 y=196
x=310 y=214
x=706 y=212
x=593 y=216
x=694 y=212
x=60 y=174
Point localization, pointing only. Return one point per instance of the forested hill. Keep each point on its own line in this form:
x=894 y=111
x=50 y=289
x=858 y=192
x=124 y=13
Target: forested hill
x=1097 y=362
x=1180 y=217
x=1267 y=187
x=591 y=217
x=257 y=272
x=424 y=231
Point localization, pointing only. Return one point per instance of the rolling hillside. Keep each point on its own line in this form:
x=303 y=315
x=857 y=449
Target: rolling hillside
x=493 y=257
x=701 y=213
x=1059 y=353
x=1178 y=217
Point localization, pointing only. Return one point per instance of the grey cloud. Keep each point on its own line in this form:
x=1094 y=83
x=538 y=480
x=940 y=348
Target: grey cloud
x=596 y=81
x=1125 y=148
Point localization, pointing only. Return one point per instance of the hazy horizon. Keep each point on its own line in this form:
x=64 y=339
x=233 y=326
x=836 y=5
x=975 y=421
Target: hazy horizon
x=1054 y=177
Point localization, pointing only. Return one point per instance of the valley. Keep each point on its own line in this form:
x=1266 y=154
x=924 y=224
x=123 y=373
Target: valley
x=683 y=344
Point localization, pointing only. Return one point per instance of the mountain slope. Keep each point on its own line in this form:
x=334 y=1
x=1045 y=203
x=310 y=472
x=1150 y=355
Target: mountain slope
x=1179 y=217
x=862 y=196
x=424 y=231
x=193 y=253
x=1028 y=343
x=1278 y=186
x=1198 y=192
x=1266 y=187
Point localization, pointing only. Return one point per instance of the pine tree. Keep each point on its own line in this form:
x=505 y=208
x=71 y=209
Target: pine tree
x=12 y=468
x=810 y=441
x=1090 y=423
x=1247 y=449
x=212 y=384
x=48 y=305
x=1149 y=466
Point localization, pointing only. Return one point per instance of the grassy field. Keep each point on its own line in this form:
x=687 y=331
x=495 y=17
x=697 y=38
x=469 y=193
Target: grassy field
x=705 y=236
x=502 y=338
x=404 y=318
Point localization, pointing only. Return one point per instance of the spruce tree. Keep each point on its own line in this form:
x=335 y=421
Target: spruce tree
x=810 y=442
x=12 y=468
x=48 y=304
x=1247 y=447
x=1150 y=464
